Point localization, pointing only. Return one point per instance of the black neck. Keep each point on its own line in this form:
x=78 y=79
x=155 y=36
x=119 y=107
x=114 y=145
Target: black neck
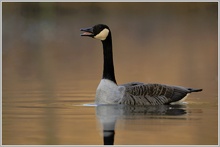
x=108 y=71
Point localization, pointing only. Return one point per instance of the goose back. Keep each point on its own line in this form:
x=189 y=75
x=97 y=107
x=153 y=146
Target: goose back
x=152 y=94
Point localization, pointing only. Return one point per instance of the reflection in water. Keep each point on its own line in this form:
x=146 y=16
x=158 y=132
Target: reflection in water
x=108 y=115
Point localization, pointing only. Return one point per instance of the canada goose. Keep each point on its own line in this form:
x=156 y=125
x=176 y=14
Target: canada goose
x=134 y=93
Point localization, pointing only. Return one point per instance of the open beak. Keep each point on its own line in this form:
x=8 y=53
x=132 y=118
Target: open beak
x=87 y=32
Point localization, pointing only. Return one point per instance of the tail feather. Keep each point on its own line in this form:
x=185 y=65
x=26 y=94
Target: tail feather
x=194 y=90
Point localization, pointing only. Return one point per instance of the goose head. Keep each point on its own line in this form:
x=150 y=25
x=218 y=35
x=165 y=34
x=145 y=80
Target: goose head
x=99 y=31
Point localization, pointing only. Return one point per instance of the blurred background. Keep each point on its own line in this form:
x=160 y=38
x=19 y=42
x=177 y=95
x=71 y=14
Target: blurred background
x=43 y=53
x=172 y=43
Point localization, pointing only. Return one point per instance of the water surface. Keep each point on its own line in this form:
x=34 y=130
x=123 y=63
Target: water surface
x=36 y=116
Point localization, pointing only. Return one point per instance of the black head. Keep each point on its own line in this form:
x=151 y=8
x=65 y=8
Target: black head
x=99 y=31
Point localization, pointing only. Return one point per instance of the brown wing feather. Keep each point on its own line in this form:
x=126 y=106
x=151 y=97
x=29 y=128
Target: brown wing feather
x=152 y=94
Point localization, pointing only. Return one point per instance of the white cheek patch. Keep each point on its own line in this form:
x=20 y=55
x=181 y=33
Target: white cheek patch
x=102 y=35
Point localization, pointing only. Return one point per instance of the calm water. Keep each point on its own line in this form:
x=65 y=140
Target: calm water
x=67 y=117
x=49 y=73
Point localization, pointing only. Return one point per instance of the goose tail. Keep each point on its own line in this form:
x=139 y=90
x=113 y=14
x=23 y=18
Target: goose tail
x=194 y=90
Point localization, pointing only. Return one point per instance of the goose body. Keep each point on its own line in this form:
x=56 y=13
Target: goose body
x=134 y=93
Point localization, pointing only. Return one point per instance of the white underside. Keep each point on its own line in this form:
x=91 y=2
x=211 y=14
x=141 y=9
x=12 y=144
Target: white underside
x=108 y=92
x=181 y=101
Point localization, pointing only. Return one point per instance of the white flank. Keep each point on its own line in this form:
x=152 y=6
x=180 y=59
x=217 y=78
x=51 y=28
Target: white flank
x=102 y=35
